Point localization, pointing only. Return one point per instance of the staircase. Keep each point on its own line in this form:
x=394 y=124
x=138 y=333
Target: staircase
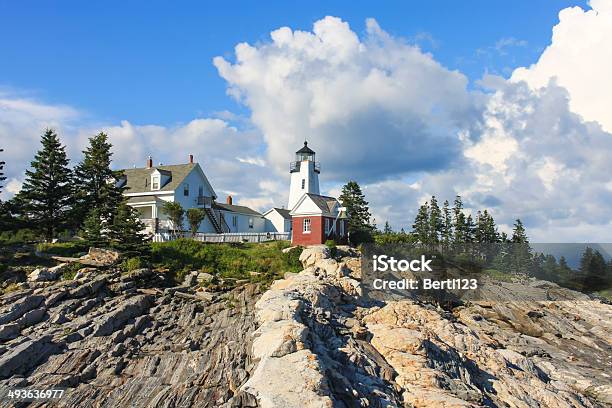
x=216 y=220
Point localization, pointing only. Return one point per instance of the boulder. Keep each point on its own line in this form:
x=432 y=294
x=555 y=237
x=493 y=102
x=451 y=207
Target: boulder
x=312 y=255
x=104 y=257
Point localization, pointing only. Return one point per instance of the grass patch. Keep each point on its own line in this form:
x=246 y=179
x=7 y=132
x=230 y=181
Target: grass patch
x=228 y=261
x=67 y=249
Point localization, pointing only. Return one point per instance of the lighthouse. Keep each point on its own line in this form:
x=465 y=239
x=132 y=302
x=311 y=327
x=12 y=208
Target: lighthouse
x=304 y=175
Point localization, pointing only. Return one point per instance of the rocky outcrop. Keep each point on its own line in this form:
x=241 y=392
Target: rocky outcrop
x=311 y=340
x=320 y=344
x=116 y=340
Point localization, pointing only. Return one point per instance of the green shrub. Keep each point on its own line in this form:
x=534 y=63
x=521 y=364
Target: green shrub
x=131 y=264
x=71 y=270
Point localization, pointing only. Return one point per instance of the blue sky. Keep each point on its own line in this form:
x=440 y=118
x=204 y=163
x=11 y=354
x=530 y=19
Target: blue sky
x=151 y=62
x=505 y=103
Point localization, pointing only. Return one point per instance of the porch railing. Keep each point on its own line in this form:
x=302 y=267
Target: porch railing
x=229 y=237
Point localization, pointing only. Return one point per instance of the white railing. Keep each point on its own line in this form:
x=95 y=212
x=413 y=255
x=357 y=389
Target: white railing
x=229 y=237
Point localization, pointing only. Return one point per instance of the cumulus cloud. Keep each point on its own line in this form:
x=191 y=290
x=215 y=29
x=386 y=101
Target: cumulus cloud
x=580 y=58
x=347 y=95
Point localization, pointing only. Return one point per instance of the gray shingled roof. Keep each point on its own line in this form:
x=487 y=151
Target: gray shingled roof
x=284 y=213
x=136 y=178
x=325 y=203
x=237 y=209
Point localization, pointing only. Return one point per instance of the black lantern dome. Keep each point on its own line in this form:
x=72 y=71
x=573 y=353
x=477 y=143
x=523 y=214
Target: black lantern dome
x=305 y=153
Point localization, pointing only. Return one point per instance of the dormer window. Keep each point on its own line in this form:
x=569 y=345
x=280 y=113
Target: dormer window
x=155 y=183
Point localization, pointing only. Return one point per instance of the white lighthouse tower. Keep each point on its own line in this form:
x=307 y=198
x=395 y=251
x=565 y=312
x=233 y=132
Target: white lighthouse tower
x=304 y=175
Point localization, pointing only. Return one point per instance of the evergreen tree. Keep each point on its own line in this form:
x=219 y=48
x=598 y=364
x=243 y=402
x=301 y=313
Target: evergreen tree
x=93 y=229
x=195 y=216
x=593 y=269
x=550 y=269
x=126 y=229
x=420 y=228
x=470 y=229
x=175 y=213
x=359 y=227
x=47 y=191
x=2 y=178
x=459 y=221
x=387 y=229
x=447 y=225
x=519 y=236
x=96 y=184
x=435 y=221
x=521 y=252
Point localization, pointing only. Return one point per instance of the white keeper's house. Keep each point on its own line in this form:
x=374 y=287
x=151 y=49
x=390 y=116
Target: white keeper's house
x=148 y=188
x=310 y=218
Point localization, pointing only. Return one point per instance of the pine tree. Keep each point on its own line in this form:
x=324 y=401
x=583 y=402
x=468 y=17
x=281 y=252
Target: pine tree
x=387 y=230
x=519 y=236
x=2 y=178
x=47 y=191
x=195 y=216
x=447 y=226
x=93 y=230
x=96 y=184
x=126 y=229
x=459 y=222
x=521 y=252
x=359 y=226
x=470 y=229
x=420 y=228
x=435 y=221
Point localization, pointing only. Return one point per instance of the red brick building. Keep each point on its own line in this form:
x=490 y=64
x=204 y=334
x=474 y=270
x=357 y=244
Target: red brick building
x=317 y=218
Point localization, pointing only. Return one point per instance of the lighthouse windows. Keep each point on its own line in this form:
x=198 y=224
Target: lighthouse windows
x=306 y=224
x=303 y=183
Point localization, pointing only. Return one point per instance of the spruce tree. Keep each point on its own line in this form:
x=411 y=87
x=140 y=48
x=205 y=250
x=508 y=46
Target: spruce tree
x=435 y=221
x=2 y=178
x=420 y=228
x=47 y=193
x=387 y=230
x=519 y=236
x=96 y=183
x=459 y=221
x=447 y=225
x=126 y=230
x=93 y=229
x=359 y=226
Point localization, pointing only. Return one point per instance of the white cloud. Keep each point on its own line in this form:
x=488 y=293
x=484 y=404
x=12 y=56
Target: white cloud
x=580 y=58
x=346 y=95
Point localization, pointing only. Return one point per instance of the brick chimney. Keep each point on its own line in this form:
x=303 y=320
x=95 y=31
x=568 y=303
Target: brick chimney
x=229 y=200
x=149 y=162
x=191 y=159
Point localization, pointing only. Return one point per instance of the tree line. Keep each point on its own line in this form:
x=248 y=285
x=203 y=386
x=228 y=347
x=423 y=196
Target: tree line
x=87 y=199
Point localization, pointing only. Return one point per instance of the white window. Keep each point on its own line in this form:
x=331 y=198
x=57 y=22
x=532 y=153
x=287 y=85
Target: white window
x=327 y=225
x=306 y=224
x=186 y=190
x=250 y=222
x=234 y=220
x=303 y=183
x=155 y=183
